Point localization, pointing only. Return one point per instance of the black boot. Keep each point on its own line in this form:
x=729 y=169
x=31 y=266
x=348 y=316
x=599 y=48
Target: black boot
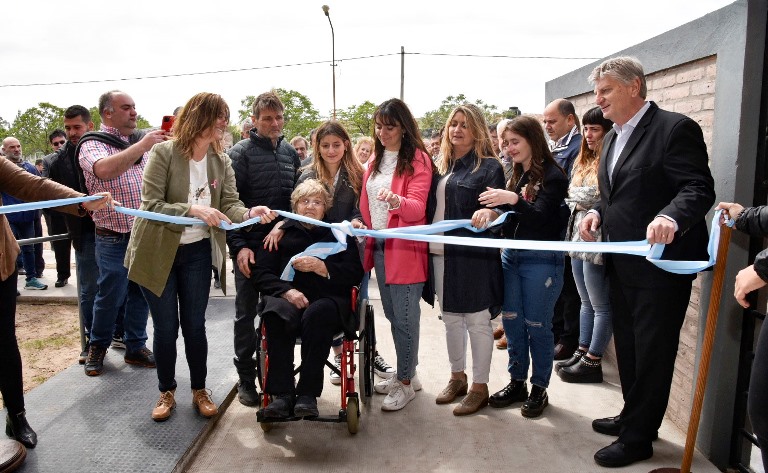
x=536 y=402
x=586 y=370
x=16 y=426
x=515 y=391
x=570 y=361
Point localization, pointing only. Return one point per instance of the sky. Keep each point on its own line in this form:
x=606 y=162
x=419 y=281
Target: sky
x=287 y=44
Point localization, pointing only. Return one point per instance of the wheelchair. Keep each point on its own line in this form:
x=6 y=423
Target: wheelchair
x=361 y=344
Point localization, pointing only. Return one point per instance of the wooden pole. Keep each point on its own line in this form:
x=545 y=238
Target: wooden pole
x=706 y=352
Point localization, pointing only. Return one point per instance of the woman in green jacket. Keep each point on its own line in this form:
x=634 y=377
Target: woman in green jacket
x=190 y=176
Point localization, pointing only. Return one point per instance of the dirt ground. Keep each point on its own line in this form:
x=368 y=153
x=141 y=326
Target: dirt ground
x=49 y=340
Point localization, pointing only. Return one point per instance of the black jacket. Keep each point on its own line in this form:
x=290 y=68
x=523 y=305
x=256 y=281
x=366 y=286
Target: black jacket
x=754 y=221
x=345 y=270
x=662 y=170
x=546 y=217
x=65 y=169
x=265 y=175
x=473 y=279
x=346 y=203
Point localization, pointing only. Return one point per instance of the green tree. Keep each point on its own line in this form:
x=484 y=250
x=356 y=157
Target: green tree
x=300 y=115
x=358 y=119
x=32 y=127
x=434 y=120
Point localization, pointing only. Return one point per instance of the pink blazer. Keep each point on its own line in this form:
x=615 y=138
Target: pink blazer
x=405 y=261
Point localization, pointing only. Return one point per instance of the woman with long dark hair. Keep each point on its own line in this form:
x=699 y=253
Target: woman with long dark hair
x=532 y=278
x=595 y=328
x=395 y=189
x=189 y=175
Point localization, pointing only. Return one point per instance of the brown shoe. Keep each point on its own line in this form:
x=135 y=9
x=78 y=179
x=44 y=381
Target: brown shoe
x=165 y=405
x=456 y=387
x=472 y=402
x=498 y=332
x=501 y=343
x=201 y=401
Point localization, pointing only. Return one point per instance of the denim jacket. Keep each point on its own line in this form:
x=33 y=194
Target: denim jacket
x=473 y=279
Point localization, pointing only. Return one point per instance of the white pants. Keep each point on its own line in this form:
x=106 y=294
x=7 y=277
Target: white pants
x=458 y=325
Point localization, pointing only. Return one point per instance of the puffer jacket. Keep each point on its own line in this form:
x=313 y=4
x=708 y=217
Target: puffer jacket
x=265 y=175
x=754 y=221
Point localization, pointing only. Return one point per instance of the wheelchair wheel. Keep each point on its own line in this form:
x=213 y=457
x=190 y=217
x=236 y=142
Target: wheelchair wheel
x=353 y=415
x=366 y=350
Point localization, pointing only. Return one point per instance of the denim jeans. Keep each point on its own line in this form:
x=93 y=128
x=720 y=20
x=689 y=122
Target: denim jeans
x=22 y=231
x=114 y=291
x=401 y=308
x=182 y=304
x=595 y=317
x=532 y=284
x=87 y=278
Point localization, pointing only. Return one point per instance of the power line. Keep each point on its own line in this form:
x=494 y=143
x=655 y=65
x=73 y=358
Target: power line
x=311 y=63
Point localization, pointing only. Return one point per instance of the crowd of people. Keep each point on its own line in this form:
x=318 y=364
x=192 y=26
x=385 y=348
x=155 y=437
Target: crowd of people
x=626 y=170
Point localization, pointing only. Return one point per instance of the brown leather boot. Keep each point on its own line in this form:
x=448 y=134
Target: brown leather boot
x=501 y=343
x=498 y=332
x=201 y=401
x=456 y=387
x=165 y=405
x=472 y=402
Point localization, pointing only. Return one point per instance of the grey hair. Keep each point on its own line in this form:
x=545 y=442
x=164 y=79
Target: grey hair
x=247 y=123
x=625 y=69
x=105 y=101
x=501 y=125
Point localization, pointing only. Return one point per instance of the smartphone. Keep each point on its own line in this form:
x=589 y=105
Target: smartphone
x=167 y=123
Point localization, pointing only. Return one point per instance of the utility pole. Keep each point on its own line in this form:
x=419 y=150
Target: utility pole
x=402 y=73
x=333 y=58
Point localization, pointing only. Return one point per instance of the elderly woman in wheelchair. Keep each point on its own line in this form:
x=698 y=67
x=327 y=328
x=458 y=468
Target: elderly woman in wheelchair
x=315 y=305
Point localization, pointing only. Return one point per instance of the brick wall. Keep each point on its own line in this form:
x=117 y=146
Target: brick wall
x=688 y=89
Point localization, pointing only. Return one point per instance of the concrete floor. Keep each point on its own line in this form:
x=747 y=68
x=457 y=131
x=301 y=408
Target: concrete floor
x=427 y=437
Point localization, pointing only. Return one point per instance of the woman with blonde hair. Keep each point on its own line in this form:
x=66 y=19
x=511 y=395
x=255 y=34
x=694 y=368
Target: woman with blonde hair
x=467 y=280
x=364 y=149
x=595 y=328
x=189 y=176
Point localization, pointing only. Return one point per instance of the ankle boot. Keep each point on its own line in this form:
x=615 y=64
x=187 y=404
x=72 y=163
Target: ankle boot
x=16 y=426
x=587 y=370
x=536 y=402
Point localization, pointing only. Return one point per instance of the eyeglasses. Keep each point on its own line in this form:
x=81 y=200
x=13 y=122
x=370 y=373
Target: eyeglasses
x=312 y=203
x=59 y=143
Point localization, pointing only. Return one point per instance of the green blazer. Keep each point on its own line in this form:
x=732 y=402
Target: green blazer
x=165 y=189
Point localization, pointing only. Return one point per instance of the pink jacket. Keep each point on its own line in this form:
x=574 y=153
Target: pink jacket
x=405 y=261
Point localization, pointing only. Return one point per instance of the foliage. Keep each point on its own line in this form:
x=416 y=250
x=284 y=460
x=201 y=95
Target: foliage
x=300 y=115
x=358 y=119
x=434 y=120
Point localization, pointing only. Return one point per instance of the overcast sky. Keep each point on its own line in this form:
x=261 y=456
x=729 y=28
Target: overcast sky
x=46 y=41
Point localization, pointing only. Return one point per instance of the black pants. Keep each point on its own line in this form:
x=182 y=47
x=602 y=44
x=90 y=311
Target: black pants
x=246 y=309
x=11 y=385
x=646 y=331
x=758 y=394
x=565 y=323
x=319 y=323
x=62 y=249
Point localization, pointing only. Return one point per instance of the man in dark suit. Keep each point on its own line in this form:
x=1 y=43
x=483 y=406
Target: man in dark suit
x=655 y=184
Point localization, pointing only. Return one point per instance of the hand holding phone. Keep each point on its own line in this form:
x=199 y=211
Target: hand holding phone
x=167 y=123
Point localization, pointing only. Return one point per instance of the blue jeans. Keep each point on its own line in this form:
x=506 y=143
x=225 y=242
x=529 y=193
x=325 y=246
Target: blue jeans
x=595 y=326
x=22 y=231
x=114 y=291
x=87 y=278
x=182 y=303
x=401 y=307
x=532 y=284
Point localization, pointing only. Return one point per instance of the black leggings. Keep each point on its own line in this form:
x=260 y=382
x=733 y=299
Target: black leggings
x=11 y=384
x=757 y=402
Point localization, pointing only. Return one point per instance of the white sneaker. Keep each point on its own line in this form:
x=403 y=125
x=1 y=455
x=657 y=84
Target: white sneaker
x=385 y=386
x=333 y=377
x=399 y=396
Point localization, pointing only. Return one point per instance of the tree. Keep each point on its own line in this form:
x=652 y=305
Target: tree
x=300 y=115
x=32 y=127
x=358 y=119
x=435 y=120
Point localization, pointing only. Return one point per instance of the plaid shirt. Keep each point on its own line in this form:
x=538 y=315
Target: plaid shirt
x=125 y=188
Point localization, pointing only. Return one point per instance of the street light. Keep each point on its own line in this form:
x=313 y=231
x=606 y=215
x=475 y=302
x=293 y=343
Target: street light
x=333 y=58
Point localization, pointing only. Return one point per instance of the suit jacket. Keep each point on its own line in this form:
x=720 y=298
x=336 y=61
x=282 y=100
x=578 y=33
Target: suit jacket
x=165 y=189
x=663 y=169
x=19 y=183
